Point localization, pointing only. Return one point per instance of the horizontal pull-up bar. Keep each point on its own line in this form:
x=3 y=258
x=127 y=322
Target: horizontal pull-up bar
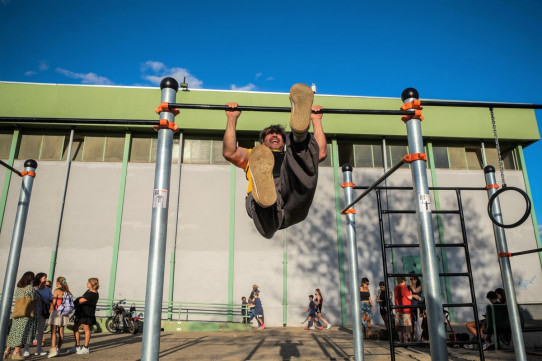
x=11 y=168
x=79 y=121
x=287 y=109
x=452 y=103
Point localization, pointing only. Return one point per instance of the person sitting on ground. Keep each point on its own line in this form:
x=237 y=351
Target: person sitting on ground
x=471 y=325
x=312 y=314
x=283 y=170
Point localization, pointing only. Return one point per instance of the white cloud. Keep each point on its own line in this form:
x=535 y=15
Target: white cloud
x=247 y=87
x=30 y=73
x=43 y=65
x=269 y=78
x=155 y=71
x=88 y=78
x=258 y=75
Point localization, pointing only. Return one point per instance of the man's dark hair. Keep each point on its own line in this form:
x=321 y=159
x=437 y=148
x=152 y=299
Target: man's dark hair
x=491 y=295
x=381 y=283
x=311 y=297
x=275 y=128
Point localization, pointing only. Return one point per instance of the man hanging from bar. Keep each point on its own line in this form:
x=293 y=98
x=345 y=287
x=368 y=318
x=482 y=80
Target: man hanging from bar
x=283 y=170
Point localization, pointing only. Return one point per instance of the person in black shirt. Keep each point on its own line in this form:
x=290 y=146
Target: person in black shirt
x=85 y=315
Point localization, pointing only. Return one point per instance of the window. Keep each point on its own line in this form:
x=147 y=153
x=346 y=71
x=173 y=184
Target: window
x=507 y=154
x=5 y=144
x=362 y=154
x=457 y=157
x=474 y=157
x=440 y=155
x=41 y=146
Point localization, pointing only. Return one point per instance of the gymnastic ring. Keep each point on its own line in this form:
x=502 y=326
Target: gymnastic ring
x=492 y=200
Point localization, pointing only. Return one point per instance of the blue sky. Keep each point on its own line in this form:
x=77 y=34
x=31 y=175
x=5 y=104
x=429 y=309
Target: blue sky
x=460 y=50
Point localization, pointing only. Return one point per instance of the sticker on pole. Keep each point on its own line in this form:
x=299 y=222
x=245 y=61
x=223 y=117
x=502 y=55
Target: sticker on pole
x=424 y=202
x=159 y=199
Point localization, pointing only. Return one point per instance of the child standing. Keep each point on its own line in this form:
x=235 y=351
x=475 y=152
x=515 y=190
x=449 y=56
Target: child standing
x=258 y=310
x=57 y=320
x=85 y=315
x=312 y=314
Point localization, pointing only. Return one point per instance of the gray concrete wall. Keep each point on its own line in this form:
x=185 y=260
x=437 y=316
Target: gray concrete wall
x=202 y=245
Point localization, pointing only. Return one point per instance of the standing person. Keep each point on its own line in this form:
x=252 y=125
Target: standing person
x=381 y=300
x=244 y=309
x=23 y=329
x=319 y=301
x=258 y=310
x=85 y=315
x=255 y=289
x=403 y=323
x=415 y=289
x=367 y=307
x=283 y=170
x=312 y=314
x=57 y=320
x=41 y=312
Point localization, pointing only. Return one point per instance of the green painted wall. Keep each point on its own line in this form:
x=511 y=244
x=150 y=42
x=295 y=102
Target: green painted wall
x=101 y=102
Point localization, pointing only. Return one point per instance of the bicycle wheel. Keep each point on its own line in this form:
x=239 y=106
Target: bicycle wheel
x=111 y=325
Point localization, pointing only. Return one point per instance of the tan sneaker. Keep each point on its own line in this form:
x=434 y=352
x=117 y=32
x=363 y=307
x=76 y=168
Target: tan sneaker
x=301 y=98
x=261 y=162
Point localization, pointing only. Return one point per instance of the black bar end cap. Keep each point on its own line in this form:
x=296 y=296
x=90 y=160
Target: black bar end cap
x=409 y=93
x=489 y=169
x=31 y=163
x=347 y=167
x=169 y=82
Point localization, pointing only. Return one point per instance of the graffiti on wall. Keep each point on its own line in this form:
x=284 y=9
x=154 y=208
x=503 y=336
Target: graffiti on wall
x=525 y=283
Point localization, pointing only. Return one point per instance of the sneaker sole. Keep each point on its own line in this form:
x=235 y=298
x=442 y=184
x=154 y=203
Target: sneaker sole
x=261 y=162
x=301 y=98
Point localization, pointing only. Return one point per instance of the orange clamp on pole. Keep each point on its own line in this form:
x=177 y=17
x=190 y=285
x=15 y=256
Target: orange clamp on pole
x=164 y=107
x=492 y=186
x=28 y=172
x=415 y=104
x=348 y=184
x=166 y=124
x=417 y=114
x=504 y=254
x=409 y=158
x=349 y=211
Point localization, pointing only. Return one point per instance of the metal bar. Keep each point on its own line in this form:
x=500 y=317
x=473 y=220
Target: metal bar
x=506 y=270
x=430 y=265
x=52 y=266
x=454 y=103
x=15 y=249
x=353 y=260
x=526 y=252
x=409 y=211
x=377 y=182
x=157 y=246
x=248 y=108
x=469 y=270
x=78 y=121
x=11 y=168
x=385 y=271
x=430 y=188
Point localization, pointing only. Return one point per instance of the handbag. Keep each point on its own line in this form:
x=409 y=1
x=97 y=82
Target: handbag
x=24 y=307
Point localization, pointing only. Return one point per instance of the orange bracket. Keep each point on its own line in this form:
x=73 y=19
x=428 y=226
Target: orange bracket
x=417 y=114
x=504 y=254
x=409 y=158
x=348 y=184
x=28 y=172
x=349 y=211
x=164 y=107
x=415 y=104
x=492 y=186
x=166 y=124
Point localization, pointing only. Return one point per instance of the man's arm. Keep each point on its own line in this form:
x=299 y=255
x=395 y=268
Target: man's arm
x=318 y=132
x=238 y=156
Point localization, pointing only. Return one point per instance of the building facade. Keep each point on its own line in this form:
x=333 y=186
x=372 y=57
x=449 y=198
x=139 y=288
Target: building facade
x=90 y=211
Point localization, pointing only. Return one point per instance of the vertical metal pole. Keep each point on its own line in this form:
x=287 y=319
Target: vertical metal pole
x=430 y=266
x=52 y=266
x=15 y=249
x=353 y=258
x=157 y=248
x=506 y=271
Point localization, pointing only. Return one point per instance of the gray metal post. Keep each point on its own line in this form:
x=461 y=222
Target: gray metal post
x=15 y=248
x=353 y=258
x=157 y=248
x=430 y=266
x=506 y=271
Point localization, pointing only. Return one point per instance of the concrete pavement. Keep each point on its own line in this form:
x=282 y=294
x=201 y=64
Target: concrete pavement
x=279 y=343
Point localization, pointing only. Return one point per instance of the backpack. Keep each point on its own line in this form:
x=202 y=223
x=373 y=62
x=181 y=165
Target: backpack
x=67 y=306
